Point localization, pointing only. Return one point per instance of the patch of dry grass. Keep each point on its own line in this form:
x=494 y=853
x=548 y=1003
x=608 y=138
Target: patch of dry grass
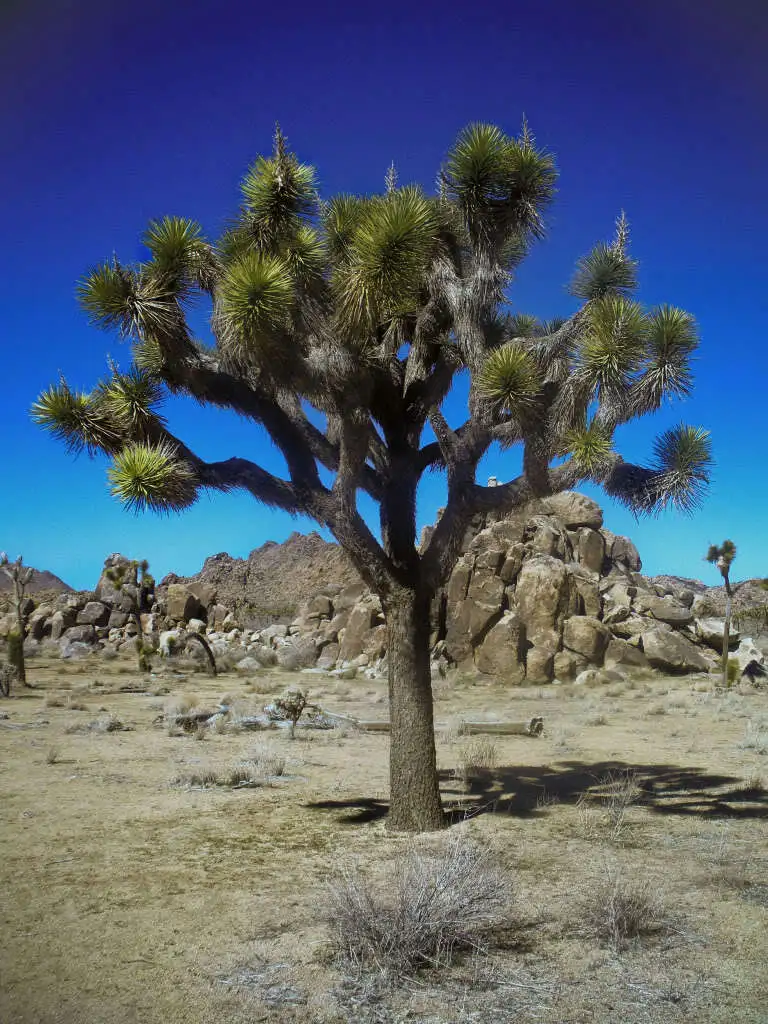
x=616 y=908
x=426 y=906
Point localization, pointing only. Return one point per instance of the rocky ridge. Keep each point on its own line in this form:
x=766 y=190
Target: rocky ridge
x=545 y=594
x=273 y=581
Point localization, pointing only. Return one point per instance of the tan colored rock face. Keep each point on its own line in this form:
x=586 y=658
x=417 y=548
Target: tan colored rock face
x=590 y=549
x=586 y=636
x=181 y=604
x=545 y=595
x=501 y=652
x=574 y=509
x=671 y=652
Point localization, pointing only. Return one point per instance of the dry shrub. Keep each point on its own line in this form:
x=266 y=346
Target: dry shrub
x=107 y=723
x=263 y=766
x=616 y=909
x=605 y=807
x=181 y=705
x=427 y=907
x=755 y=738
x=477 y=756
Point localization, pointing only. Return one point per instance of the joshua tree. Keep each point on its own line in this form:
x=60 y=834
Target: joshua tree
x=723 y=557
x=20 y=576
x=339 y=327
x=133 y=580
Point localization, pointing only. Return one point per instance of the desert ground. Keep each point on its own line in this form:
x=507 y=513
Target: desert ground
x=138 y=886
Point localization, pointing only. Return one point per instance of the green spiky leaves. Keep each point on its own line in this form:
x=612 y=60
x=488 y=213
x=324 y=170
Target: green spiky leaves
x=255 y=300
x=607 y=269
x=389 y=254
x=501 y=185
x=76 y=419
x=137 y=303
x=180 y=253
x=679 y=478
x=672 y=338
x=131 y=399
x=121 y=408
x=614 y=343
x=145 y=476
x=591 y=448
x=278 y=193
x=604 y=271
x=510 y=379
x=683 y=463
x=722 y=555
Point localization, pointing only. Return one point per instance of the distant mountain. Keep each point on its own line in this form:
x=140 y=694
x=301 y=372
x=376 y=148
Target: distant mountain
x=41 y=581
x=275 y=579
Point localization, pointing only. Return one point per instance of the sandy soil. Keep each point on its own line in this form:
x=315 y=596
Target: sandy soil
x=129 y=893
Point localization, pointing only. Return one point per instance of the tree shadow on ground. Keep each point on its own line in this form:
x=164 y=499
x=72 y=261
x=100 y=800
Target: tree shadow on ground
x=527 y=792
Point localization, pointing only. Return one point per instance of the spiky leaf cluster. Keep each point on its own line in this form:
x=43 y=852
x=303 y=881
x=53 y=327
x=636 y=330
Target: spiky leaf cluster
x=145 y=476
x=365 y=308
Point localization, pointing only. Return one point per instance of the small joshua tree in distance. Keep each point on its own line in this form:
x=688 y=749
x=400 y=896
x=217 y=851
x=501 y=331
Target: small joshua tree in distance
x=20 y=576
x=134 y=581
x=722 y=556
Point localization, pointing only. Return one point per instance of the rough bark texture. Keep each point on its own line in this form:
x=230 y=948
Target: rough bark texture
x=727 y=628
x=414 y=791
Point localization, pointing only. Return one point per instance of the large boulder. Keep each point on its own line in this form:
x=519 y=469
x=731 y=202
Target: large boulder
x=671 y=652
x=545 y=595
x=711 y=632
x=751 y=660
x=539 y=665
x=362 y=617
x=62 y=620
x=663 y=609
x=586 y=636
x=620 y=654
x=94 y=614
x=590 y=549
x=204 y=592
x=501 y=653
x=622 y=551
x=107 y=593
x=84 y=634
x=567 y=665
x=181 y=604
x=574 y=509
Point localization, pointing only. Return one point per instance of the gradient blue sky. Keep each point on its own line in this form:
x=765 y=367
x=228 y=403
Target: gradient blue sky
x=111 y=114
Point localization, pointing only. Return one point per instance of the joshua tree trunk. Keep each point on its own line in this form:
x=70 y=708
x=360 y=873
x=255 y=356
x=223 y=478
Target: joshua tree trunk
x=21 y=628
x=414 y=791
x=727 y=630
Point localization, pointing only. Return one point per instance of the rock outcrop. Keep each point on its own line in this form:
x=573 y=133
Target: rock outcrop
x=543 y=595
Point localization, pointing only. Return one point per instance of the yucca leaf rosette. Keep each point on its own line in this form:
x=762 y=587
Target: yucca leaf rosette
x=154 y=477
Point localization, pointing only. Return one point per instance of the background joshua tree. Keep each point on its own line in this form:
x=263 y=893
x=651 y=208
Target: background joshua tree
x=339 y=327
x=133 y=580
x=723 y=557
x=20 y=576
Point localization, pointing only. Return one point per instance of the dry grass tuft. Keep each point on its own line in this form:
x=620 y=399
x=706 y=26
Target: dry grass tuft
x=427 y=907
x=107 y=723
x=604 y=808
x=261 y=769
x=477 y=756
x=616 y=909
x=755 y=738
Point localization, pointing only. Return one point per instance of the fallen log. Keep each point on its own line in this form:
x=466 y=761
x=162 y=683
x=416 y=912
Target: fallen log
x=535 y=727
x=532 y=728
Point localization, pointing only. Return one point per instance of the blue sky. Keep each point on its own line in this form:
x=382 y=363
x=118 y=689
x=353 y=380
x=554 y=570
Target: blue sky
x=111 y=114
